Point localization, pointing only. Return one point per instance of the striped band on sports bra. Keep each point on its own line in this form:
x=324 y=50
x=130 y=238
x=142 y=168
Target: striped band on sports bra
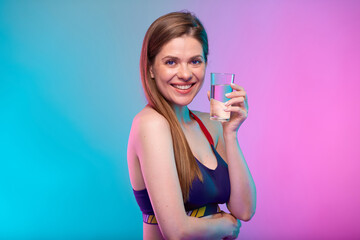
x=206 y=210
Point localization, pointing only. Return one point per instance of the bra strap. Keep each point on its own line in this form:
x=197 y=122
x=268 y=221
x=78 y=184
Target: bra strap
x=203 y=128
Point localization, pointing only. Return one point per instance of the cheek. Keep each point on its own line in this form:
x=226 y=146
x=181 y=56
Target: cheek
x=161 y=85
x=200 y=73
x=164 y=74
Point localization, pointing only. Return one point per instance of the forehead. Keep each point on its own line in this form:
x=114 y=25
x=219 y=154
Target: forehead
x=184 y=46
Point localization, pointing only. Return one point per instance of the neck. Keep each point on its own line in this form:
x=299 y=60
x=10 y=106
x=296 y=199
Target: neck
x=182 y=113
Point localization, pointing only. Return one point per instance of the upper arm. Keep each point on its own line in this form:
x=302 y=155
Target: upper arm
x=155 y=152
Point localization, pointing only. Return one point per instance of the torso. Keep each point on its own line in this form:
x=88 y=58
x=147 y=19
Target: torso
x=199 y=146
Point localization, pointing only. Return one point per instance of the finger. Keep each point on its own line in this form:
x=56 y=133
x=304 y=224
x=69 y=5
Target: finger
x=236 y=87
x=246 y=103
x=240 y=104
x=208 y=95
x=238 y=93
x=236 y=100
x=236 y=109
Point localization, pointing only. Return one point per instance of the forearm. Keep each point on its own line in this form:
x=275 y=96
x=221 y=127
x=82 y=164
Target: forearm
x=206 y=228
x=242 y=201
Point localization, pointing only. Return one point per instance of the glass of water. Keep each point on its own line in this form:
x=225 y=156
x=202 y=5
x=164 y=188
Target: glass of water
x=220 y=85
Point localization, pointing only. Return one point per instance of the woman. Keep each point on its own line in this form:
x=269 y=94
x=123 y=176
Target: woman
x=182 y=164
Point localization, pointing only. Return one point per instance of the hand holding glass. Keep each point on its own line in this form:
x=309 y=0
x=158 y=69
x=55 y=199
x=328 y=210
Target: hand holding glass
x=220 y=85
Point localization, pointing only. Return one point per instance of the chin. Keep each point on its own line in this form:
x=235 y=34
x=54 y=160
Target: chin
x=182 y=103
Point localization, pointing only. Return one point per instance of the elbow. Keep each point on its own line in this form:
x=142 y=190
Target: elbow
x=243 y=214
x=241 y=211
x=246 y=216
x=248 y=213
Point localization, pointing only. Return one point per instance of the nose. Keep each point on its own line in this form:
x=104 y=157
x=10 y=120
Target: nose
x=184 y=72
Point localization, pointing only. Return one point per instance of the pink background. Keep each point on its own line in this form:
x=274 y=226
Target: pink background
x=299 y=62
x=70 y=87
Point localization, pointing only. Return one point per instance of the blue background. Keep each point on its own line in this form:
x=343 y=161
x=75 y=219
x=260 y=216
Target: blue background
x=70 y=87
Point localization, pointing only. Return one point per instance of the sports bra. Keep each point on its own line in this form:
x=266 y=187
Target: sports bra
x=205 y=196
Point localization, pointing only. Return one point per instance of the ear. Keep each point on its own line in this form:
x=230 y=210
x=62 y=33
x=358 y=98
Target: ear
x=151 y=72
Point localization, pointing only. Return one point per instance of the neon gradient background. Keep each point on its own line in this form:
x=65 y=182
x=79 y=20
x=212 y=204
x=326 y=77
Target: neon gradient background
x=69 y=88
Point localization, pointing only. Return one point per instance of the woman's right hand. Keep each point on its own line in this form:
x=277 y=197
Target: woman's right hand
x=232 y=224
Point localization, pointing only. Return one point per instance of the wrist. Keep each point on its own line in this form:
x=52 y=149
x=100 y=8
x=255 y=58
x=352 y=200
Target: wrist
x=231 y=136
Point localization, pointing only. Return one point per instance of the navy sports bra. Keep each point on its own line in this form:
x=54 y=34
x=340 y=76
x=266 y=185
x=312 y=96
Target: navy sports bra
x=203 y=196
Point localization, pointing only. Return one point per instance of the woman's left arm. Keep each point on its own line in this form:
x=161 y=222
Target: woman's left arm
x=242 y=203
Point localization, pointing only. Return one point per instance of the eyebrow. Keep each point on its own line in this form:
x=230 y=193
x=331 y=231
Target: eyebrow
x=173 y=57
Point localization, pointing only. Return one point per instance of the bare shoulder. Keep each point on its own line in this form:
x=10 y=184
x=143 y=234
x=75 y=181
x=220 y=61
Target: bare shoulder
x=149 y=118
x=147 y=125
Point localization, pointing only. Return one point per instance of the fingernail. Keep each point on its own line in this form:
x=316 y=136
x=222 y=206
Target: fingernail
x=227 y=94
x=226 y=103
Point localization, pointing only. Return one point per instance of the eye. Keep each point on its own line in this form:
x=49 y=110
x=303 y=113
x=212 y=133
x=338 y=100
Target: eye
x=170 y=62
x=196 y=62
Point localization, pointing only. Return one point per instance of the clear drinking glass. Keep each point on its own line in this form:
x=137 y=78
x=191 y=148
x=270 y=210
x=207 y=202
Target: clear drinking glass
x=220 y=85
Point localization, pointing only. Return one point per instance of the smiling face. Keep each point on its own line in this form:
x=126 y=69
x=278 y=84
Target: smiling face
x=179 y=70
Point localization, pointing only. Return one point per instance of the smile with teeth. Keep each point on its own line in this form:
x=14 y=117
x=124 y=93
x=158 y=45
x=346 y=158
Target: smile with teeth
x=182 y=87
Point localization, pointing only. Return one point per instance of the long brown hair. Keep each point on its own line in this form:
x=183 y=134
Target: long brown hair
x=160 y=32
